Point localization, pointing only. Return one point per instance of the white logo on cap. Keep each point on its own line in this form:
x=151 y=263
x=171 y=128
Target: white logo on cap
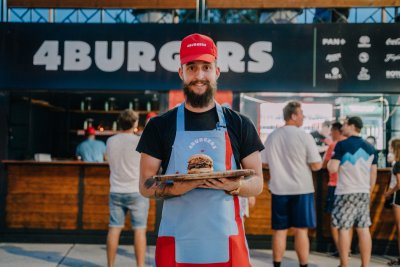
x=196 y=44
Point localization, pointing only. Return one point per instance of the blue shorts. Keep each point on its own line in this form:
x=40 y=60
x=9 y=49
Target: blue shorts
x=120 y=203
x=293 y=211
x=330 y=198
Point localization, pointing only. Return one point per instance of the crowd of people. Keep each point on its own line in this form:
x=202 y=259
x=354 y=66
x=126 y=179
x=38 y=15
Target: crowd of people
x=202 y=220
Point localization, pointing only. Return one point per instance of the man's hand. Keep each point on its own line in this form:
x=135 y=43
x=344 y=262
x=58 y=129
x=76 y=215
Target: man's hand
x=222 y=184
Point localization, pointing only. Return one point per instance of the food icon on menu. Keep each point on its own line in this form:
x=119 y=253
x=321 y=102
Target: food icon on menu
x=334 y=75
x=363 y=75
x=363 y=57
x=364 y=42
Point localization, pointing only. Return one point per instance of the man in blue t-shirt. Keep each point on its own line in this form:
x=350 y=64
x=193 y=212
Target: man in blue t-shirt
x=355 y=161
x=91 y=150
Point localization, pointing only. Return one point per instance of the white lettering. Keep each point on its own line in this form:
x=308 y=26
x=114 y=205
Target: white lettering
x=391 y=41
x=393 y=74
x=47 y=55
x=231 y=56
x=101 y=55
x=141 y=56
x=333 y=41
x=169 y=56
x=392 y=57
x=263 y=61
x=76 y=56
x=333 y=57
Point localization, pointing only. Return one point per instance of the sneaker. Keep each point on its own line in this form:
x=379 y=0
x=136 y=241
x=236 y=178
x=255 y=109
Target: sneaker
x=394 y=262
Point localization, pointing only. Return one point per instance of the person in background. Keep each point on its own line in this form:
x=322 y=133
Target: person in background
x=91 y=150
x=291 y=155
x=372 y=140
x=321 y=137
x=390 y=155
x=200 y=223
x=336 y=135
x=393 y=192
x=124 y=189
x=150 y=115
x=356 y=162
x=246 y=203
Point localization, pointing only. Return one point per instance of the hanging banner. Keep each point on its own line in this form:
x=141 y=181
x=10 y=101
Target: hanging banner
x=252 y=58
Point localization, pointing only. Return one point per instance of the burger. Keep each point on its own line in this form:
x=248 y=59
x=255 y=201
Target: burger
x=200 y=163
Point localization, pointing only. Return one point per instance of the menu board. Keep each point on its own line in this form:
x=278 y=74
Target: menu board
x=362 y=58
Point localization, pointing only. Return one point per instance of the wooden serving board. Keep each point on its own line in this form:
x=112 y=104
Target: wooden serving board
x=207 y=175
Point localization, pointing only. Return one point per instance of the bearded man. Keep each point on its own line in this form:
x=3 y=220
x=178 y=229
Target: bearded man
x=201 y=223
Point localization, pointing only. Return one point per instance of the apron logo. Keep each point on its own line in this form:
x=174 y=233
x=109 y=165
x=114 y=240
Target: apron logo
x=202 y=140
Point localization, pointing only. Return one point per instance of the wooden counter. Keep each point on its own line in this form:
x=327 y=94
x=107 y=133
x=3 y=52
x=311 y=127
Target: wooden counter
x=72 y=196
x=383 y=221
x=60 y=195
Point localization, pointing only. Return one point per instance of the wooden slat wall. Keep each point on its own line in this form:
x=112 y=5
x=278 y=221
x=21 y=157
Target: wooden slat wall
x=42 y=197
x=186 y=4
x=46 y=196
x=137 y=4
x=95 y=201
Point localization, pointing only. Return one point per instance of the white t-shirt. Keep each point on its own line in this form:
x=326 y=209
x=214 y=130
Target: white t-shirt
x=124 y=163
x=288 y=152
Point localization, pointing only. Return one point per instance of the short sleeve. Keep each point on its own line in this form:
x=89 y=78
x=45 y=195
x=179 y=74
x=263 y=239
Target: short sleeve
x=338 y=151
x=396 y=168
x=312 y=150
x=250 y=141
x=150 y=141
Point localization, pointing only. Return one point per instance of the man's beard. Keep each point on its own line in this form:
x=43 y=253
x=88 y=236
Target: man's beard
x=196 y=100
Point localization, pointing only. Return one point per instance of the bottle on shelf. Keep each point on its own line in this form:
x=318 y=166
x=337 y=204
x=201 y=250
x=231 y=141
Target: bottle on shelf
x=87 y=123
x=130 y=105
x=106 y=106
x=82 y=105
x=136 y=104
x=114 y=126
x=148 y=106
x=88 y=103
x=154 y=102
x=112 y=103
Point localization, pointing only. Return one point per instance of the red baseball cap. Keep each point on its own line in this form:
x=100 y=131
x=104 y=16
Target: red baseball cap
x=150 y=115
x=198 y=47
x=90 y=131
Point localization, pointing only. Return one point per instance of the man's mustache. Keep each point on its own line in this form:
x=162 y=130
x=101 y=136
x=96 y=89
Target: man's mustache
x=194 y=82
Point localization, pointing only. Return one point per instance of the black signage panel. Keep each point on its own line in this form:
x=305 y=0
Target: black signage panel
x=358 y=58
x=265 y=57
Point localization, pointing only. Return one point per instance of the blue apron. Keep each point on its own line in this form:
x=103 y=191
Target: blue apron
x=202 y=227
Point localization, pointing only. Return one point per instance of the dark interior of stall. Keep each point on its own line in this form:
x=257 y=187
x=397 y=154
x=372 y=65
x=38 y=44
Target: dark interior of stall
x=54 y=122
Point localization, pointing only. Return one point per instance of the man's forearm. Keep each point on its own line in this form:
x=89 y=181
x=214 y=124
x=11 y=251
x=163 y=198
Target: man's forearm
x=252 y=186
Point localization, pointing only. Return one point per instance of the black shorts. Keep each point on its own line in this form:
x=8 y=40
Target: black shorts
x=394 y=199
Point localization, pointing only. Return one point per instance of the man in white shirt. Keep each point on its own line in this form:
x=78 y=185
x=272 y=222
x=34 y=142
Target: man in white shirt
x=124 y=189
x=291 y=155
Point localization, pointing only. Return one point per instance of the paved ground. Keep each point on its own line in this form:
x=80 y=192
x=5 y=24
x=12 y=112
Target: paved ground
x=78 y=255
